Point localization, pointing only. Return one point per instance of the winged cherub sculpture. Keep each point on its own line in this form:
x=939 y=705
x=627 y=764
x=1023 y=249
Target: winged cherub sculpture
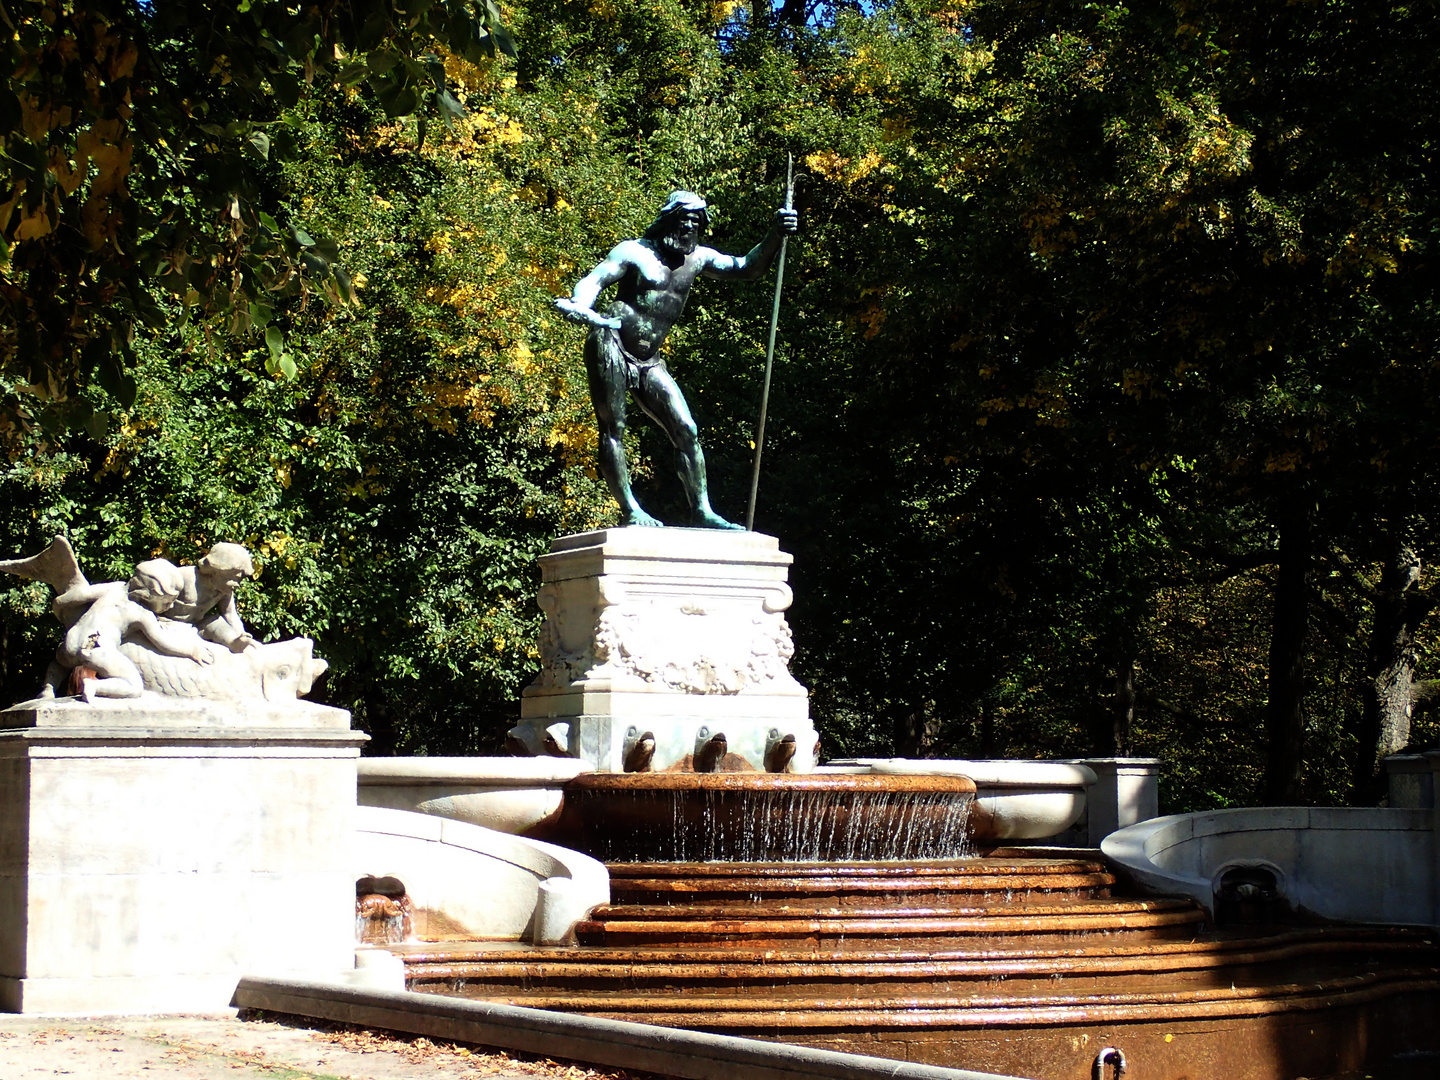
x=169 y=630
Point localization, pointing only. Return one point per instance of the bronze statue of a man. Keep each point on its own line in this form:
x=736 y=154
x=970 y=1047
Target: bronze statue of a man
x=622 y=350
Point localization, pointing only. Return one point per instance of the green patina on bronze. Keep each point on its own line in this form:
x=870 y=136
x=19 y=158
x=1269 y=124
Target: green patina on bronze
x=653 y=275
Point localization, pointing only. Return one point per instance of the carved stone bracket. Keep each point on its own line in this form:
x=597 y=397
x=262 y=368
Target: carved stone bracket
x=681 y=646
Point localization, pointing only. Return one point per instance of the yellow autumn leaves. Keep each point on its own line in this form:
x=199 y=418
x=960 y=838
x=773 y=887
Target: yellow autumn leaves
x=100 y=152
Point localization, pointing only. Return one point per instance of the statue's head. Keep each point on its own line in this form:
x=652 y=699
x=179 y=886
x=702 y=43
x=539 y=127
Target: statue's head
x=226 y=564
x=156 y=584
x=680 y=222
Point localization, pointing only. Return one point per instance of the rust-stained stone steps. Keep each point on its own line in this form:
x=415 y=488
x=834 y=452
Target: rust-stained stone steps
x=476 y=970
x=874 y=927
x=871 y=905
x=778 y=1017
x=1014 y=965
x=844 y=884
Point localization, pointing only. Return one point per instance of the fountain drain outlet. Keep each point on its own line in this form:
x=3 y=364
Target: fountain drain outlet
x=1109 y=1056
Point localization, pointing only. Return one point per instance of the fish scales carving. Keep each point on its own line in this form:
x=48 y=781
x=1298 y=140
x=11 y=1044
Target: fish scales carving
x=276 y=671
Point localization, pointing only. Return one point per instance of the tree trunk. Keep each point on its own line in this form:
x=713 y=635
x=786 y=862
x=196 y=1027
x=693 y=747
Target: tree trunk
x=759 y=16
x=1285 y=711
x=792 y=12
x=379 y=724
x=1124 y=708
x=1387 y=691
x=916 y=730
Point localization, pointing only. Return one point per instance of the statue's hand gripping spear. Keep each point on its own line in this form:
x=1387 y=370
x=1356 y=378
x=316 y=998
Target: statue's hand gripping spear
x=770 y=350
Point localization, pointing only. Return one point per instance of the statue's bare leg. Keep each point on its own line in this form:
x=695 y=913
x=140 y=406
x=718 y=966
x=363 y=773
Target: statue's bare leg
x=659 y=395
x=56 y=676
x=605 y=366
x=119 y=677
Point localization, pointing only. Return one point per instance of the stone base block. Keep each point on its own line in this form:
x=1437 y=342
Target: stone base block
x=153 y=711
x=1127 y=791
x=669 y=631
x=168 y=994
x=146 y=865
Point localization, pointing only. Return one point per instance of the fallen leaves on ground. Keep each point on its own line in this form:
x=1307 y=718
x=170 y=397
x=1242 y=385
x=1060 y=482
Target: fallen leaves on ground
x=417 y=1049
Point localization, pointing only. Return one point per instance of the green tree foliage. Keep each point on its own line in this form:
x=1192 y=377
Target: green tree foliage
x=397 y=492
x=1164 y=270
x=1104 y=392
x=138 y=144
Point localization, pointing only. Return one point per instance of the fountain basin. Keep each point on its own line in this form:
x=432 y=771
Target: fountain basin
x=1014 y=800
x=678 y=811
x=680 y=817
x=507 y=794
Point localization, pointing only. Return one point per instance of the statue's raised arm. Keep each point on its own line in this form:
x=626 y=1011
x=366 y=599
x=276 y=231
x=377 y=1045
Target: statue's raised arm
x=753 y=264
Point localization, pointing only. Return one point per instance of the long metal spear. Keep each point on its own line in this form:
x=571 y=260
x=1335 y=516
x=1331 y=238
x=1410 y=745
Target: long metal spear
x=770 y=350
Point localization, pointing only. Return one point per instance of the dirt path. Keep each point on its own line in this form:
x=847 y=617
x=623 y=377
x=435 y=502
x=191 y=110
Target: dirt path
x=240 y=1047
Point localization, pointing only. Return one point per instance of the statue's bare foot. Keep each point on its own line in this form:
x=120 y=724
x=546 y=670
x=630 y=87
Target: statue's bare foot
x=708 y=519
x=641 y=518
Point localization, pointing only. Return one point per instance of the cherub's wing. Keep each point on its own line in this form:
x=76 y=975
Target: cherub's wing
x=56 y=566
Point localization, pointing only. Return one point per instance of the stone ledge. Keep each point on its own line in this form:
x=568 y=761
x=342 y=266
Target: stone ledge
x=177 y=742
x=479 y=772
x=162 y=713
x=677 y=1052
x=592 y=552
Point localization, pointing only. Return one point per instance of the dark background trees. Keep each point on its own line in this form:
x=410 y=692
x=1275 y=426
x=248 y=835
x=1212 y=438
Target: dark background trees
x=1103 y=417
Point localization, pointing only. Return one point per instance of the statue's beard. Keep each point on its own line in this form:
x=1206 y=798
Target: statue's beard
x=681 y=243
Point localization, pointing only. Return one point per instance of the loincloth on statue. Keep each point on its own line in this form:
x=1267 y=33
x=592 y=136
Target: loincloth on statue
x=613 y=349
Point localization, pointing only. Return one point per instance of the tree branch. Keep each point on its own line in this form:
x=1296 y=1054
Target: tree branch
x=1232 y=562
x=1145 y=699
x=1424 y=692
x=1234 y=568
x=1352 y=574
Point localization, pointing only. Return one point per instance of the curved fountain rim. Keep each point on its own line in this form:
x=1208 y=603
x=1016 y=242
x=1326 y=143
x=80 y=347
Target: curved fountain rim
x=758 y=781
x=996 y=774
x=478 y=772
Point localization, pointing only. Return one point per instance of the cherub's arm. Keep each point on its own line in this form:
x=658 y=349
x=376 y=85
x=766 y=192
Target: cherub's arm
x=579 y=306
x=754 y=263
x=230 y=613
x=167 y=641
x=226 y=628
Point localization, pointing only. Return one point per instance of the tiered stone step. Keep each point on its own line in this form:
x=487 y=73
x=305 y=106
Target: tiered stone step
x=479 y=969
x=975 y=880
x=998 y=964
x=869 y=906
x=776 y=925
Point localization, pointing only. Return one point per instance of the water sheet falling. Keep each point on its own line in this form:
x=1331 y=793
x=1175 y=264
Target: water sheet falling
x=686 y=817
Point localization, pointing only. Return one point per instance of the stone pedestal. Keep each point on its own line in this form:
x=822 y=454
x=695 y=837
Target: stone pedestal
x=1126 y=791
x=677 y=632
x=1410 y=781
x=153 y=851
x=1432 y=758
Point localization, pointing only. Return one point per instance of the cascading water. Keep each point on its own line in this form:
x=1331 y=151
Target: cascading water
x=754 y=817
